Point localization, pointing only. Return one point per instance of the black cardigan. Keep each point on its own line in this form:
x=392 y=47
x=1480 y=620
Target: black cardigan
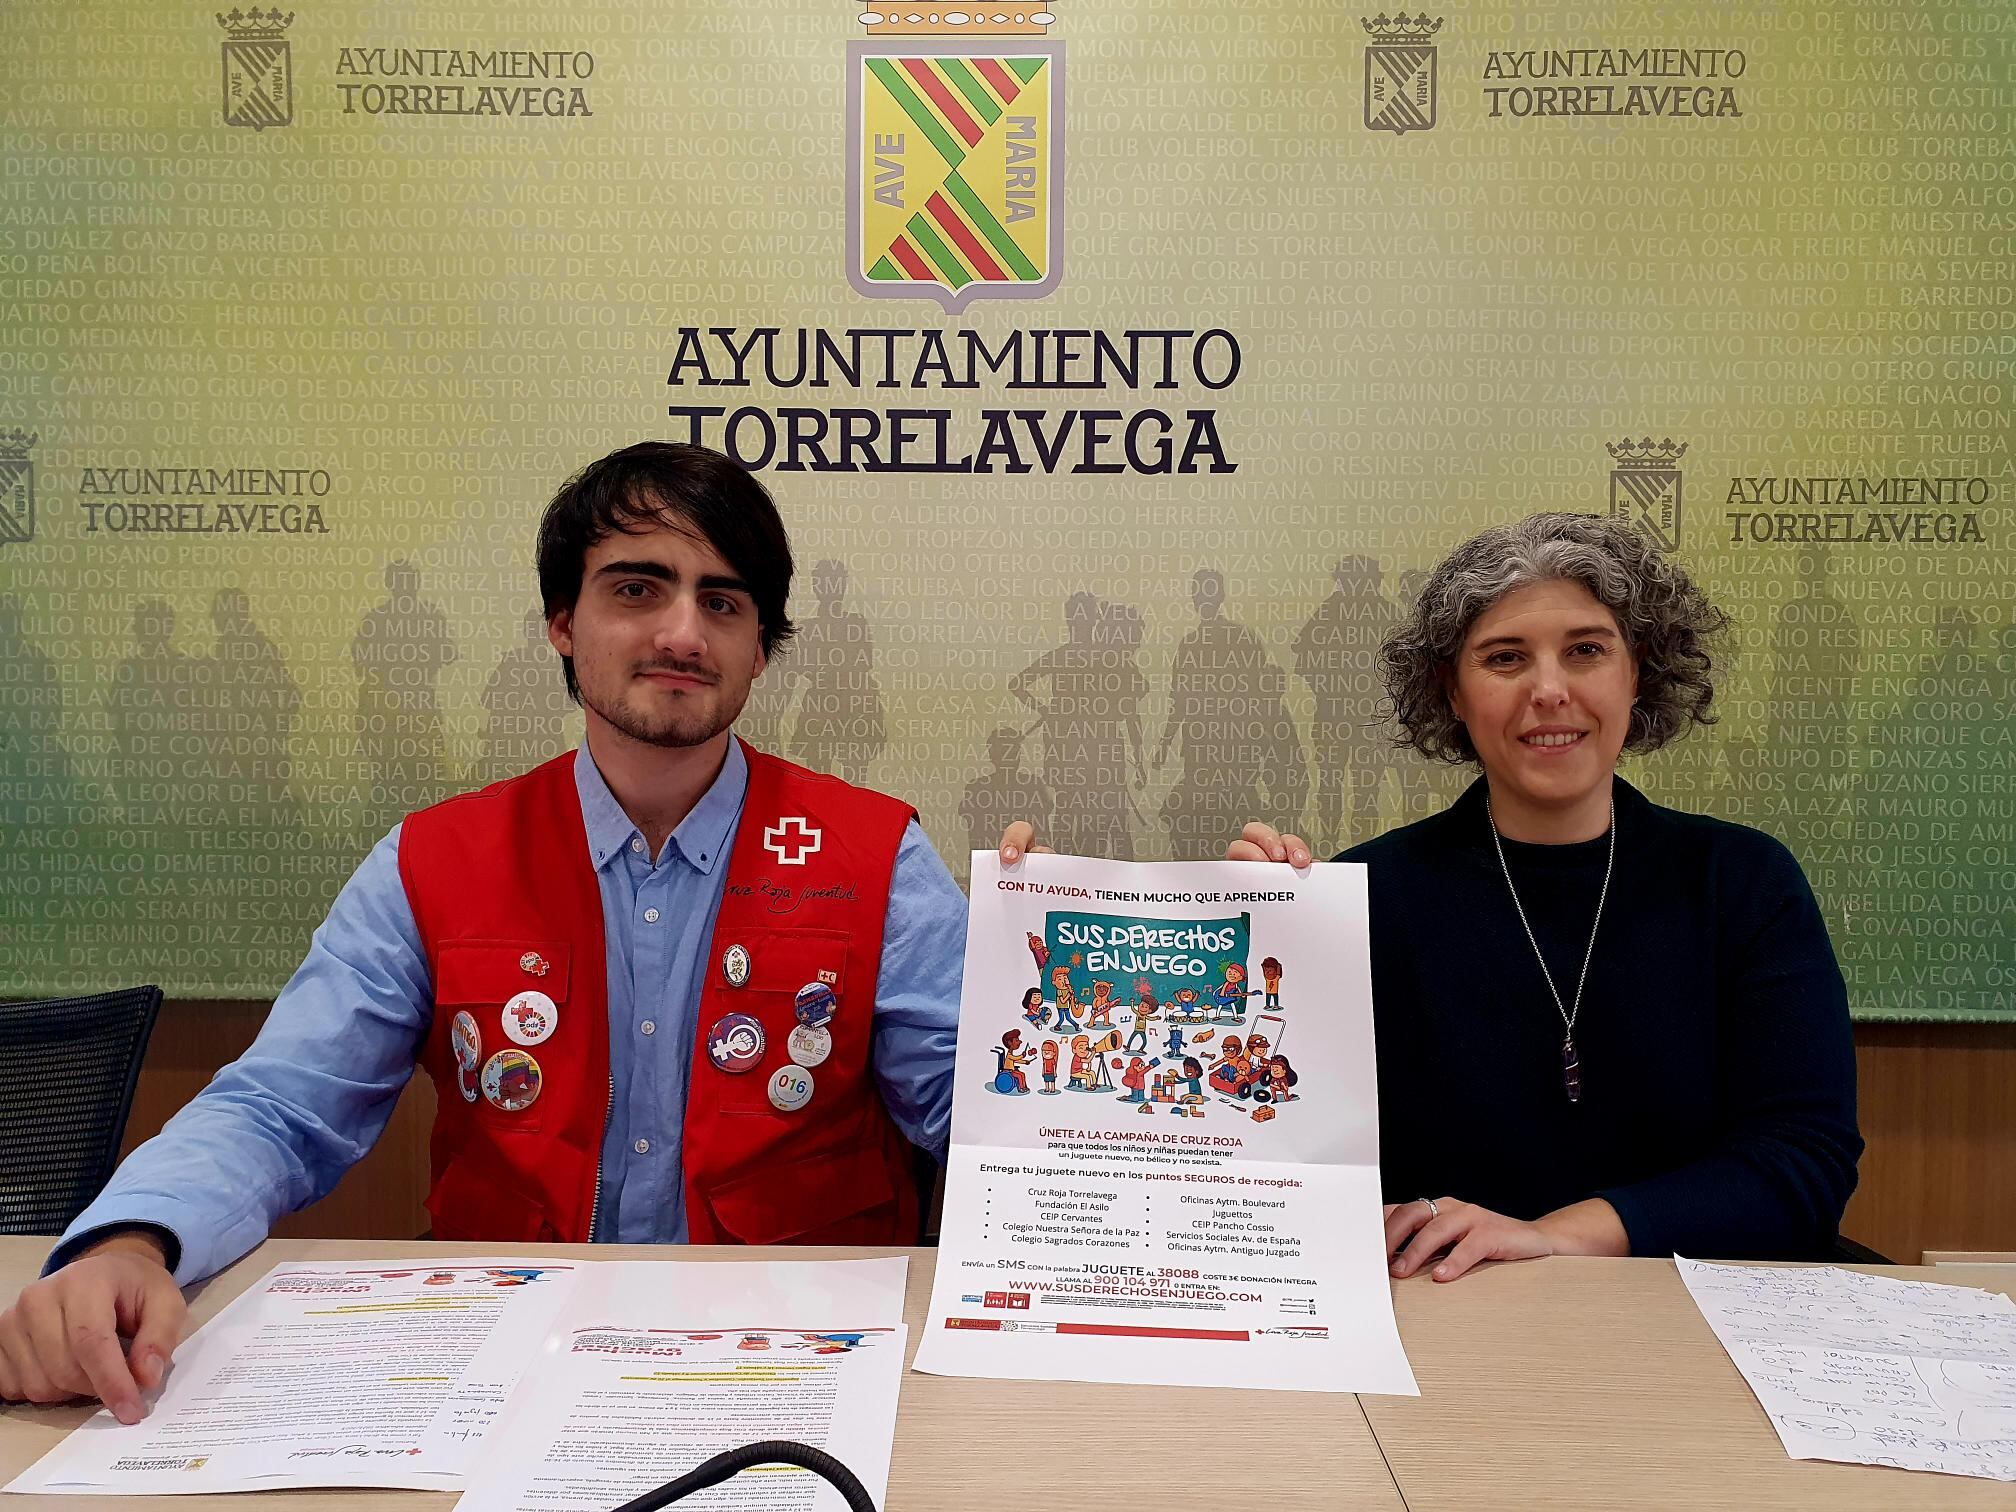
x=1717 y=1066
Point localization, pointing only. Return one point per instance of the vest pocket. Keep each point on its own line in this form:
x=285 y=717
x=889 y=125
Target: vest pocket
x=781 y=1203
x=782 y=961
x=469 y=1205
x=478 y=977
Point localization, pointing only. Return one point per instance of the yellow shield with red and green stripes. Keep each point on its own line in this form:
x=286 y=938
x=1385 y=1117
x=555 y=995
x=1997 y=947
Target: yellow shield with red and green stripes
x=954 y=168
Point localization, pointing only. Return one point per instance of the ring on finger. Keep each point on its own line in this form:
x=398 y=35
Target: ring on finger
x=1433 y=1210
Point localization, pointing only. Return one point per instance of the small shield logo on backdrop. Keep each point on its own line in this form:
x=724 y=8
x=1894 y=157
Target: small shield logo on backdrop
x=1645 y=486
x=258 y=68
x=1400 y=72
x=17 y=486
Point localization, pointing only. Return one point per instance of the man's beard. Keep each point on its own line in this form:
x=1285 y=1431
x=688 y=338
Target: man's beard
x=675 y=730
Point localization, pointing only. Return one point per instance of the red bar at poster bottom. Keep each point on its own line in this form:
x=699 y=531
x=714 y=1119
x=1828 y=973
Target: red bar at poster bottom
x=1111 y=1330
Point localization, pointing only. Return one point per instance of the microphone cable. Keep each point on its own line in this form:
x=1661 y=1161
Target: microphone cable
x=770 y=1452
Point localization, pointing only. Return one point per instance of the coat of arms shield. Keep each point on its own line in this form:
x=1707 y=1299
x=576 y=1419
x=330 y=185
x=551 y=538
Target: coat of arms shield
x=954 y=156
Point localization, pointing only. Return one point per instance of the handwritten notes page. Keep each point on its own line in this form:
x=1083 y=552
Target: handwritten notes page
x=1871 y=1370
x=341 y=1374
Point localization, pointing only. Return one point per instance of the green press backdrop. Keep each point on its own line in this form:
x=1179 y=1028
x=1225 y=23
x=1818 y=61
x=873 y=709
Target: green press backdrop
x=1116 y=366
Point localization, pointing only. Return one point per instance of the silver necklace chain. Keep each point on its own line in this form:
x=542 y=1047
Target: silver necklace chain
x=1570 y=1063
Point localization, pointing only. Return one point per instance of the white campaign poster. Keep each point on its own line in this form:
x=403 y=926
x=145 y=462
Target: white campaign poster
x=1165 y=1149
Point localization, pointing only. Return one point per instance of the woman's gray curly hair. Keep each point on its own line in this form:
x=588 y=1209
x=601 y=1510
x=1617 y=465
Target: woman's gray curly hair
x=1667 y=622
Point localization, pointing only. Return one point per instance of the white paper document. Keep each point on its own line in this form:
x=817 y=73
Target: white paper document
x=613 y=1407
x=1871 y=1370
x=396 y=1374
x=1165 y=1148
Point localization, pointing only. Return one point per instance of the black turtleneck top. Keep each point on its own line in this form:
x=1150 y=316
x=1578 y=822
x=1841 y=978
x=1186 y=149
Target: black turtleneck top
x=1717 y=1113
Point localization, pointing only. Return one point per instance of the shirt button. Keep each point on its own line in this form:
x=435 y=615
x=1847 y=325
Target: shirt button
x=637 y=844
x=647 y=1027
x=650 y=916
x=642 y=1147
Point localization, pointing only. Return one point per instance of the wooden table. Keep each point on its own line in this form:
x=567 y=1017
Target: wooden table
x=1561 y=1384
x=964 y=1445
x=1571 y=1383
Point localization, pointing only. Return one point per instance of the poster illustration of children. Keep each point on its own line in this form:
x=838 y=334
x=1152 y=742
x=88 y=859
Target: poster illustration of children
x=1134 y=1077
x=1231 y=994
x=1146 y=1011
x=1102 y=1006
x=1270 y=977
x=1067 y=999
x=1050 y=1067
x=1009 y=1059
x=1081 y=1064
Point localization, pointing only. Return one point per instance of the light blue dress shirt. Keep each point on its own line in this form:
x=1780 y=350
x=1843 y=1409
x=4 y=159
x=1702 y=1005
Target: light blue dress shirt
x=281 y=1124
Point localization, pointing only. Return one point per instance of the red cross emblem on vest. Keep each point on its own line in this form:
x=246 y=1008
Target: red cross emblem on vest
x=791 y=840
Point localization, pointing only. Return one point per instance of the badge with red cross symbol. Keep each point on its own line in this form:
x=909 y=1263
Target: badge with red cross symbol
x=791 y=840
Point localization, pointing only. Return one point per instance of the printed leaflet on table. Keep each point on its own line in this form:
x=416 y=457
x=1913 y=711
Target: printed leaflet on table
x=555 y=1384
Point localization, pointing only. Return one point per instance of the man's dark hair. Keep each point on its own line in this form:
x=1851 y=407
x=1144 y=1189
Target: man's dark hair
x=658 y=483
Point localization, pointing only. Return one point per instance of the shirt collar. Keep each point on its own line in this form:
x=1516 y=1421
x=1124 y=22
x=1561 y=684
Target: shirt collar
x=701 y=836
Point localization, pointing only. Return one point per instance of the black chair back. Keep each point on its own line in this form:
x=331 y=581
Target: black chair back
x=67 y=1070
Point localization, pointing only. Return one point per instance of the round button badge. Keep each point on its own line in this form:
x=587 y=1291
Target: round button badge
x=468 y=1040
x=790 y=1088
x=511 y=1081
x=735 y=1043
x=735 y=966
x=815 y=1004
x=530 y=1018
x=809 y=1045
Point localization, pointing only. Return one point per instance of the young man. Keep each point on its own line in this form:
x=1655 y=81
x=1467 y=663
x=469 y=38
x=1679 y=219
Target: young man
x=669 y=988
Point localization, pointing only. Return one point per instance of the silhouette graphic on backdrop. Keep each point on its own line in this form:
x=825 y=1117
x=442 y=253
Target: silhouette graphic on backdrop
x=1950 y=727
x=838 y=724
x=153 y=695
x=399 y=654
x=527 y=716
x=35 y=770
x=1086 y=695
x=1005 y=791
x=1241 y=756
x=252 y=684
x=1426 y=787
x=1815 y=675
x=1337 y=655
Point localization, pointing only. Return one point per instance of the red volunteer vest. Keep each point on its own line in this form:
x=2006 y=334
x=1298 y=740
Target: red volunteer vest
x=501 y=883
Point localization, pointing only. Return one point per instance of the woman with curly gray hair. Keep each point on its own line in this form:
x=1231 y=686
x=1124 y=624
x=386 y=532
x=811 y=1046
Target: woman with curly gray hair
x=1604 y=1026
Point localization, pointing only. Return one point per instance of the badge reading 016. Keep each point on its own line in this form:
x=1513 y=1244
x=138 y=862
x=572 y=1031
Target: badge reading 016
x=735 y=966
x=735 y=1043
x=468 y=1042
x=815 y=1004
x=511 y=1081
x=530 y=1018
x=790 y=1088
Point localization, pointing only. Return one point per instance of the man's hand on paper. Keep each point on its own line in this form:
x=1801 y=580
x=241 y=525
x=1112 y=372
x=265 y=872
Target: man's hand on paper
x=1262 y=842
x=60 y=1339
x=1019 y=840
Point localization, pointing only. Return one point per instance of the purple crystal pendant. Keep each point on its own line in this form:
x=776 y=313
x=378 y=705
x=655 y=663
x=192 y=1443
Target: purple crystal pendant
x=1571 y=1070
